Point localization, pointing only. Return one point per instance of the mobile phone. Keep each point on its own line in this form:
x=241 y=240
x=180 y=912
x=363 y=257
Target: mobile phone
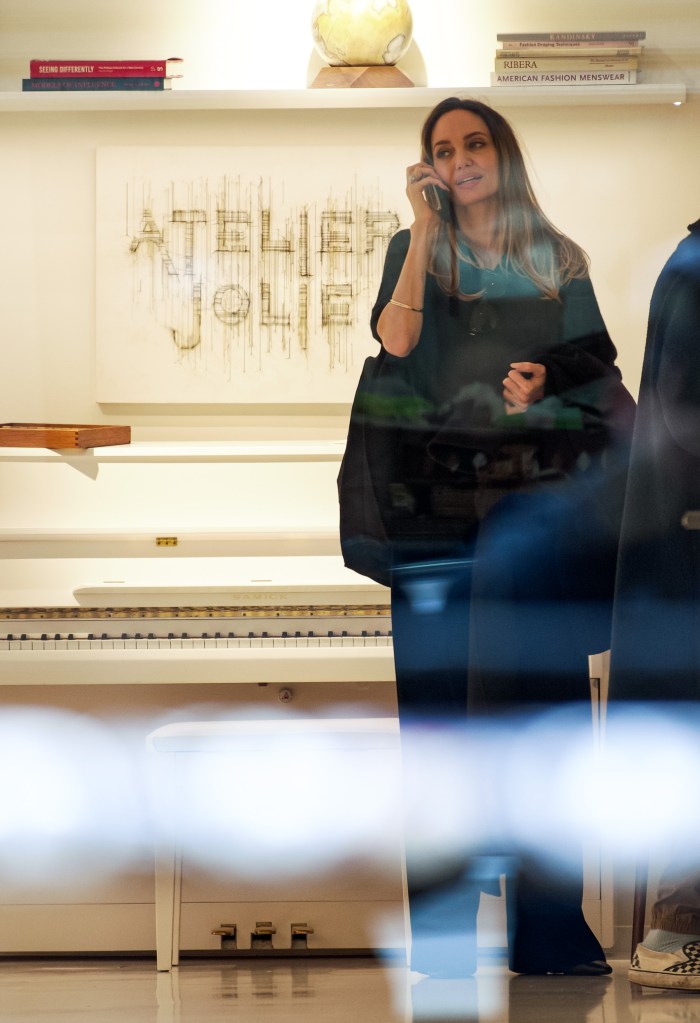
x=439 y=200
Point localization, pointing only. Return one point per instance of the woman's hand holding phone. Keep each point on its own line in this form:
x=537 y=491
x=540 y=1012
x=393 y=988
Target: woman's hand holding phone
x=439 y=200
x=401 y=321
x=427 y=192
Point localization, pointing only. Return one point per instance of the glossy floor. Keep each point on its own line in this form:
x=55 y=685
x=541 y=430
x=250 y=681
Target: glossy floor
x=318 y=991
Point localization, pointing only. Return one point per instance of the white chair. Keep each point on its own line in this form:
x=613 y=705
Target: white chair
x=173 y=747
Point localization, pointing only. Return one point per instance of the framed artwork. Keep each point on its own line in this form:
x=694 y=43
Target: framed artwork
x=240 y=274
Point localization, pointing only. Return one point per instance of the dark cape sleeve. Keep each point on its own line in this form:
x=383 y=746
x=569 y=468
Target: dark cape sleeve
x=586 y=352
x=582 y=370
x=393 y=264
x=582 y=378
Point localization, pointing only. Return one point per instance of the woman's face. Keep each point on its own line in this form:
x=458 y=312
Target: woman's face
x=465 y=157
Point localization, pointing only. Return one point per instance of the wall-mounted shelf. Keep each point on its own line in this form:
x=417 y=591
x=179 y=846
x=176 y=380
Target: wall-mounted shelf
x=338 y=99
x=186 y=451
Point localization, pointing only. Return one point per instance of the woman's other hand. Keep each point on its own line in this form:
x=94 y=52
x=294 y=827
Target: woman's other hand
x=523 y=386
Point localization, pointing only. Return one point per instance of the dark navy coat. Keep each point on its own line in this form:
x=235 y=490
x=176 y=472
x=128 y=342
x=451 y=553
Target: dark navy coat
x=656 y=628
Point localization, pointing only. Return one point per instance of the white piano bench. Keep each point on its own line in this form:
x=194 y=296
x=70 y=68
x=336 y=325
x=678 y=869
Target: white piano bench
x=174 y=748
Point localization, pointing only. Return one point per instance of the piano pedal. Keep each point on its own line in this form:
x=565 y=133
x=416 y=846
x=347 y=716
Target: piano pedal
x=227 y=933
x=261 y=937
x=299 y=940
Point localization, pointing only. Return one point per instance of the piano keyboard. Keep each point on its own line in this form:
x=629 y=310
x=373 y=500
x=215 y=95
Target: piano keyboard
x=165 y=645
x=87 y=641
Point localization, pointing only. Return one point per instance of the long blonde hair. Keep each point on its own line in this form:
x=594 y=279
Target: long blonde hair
x=531 y=244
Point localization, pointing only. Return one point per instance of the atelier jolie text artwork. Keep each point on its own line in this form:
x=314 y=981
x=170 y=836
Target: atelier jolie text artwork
x=246 y=275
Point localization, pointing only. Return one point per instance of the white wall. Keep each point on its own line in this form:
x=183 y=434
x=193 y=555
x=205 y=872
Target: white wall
x=621 y=180
x=255 y=44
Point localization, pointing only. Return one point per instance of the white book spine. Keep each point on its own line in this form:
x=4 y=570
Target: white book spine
x=564 y=78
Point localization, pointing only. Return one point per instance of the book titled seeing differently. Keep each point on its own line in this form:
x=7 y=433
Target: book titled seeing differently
x=101 y=75
x=567 y=58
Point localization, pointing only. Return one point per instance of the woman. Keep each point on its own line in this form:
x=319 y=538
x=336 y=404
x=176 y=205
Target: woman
x=496 y=448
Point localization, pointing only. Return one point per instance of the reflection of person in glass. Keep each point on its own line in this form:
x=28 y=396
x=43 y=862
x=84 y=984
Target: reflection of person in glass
x=656 y=628
x=495 y=474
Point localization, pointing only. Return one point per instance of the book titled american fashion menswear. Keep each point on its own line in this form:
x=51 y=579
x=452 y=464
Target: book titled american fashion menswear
x=527 y=63
x=563 y=77
x=113 y=84
x=169 y=68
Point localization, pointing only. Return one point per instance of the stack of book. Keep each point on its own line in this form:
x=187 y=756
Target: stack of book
x=101 y=75
x=567 y=58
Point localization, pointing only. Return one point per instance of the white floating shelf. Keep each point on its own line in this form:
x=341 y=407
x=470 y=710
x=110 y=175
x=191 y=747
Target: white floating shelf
x=187 y=451
x=338 y=99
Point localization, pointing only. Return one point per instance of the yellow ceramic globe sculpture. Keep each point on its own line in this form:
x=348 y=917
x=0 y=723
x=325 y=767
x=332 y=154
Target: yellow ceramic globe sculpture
x=360 y=33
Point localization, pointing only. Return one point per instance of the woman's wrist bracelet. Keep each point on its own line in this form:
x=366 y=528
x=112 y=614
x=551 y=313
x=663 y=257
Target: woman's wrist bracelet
x=402 y=305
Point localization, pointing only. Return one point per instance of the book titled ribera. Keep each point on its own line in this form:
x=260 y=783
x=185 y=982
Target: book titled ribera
x=523 y=62
x=563 y=77
x=171 y=67
x=111 y=84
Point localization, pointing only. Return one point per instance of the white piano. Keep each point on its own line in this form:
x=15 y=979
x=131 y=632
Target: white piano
x=176 y=581
x=161 y=581
x=207 y=563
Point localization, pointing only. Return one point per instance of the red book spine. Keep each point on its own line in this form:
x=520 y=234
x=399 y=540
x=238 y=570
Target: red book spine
x=103 y=68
